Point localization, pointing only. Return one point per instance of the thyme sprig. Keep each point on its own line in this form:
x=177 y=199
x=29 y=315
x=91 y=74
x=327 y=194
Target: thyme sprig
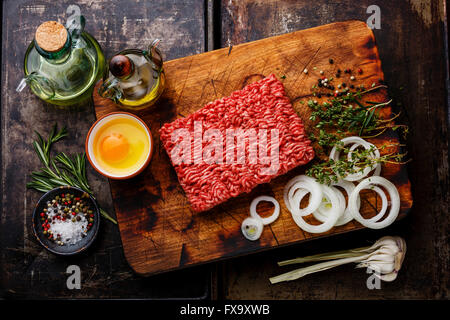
x=61 y=170
x=345 y=114
x=327 y=172
x=341 y=114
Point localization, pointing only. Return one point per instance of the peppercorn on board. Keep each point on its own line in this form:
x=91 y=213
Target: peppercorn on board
x=159 y=230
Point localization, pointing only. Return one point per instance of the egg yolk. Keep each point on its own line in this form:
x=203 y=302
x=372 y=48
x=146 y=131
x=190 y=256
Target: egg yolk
x=114 y=148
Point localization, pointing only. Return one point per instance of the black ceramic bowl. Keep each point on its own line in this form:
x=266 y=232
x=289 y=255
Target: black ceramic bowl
x=66 y=249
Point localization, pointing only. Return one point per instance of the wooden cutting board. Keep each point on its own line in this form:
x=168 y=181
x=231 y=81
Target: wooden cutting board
x=158 y=229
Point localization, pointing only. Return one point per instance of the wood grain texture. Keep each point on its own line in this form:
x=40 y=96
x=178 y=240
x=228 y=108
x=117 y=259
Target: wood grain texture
x=412 y=48
x=26 y=269
x=158 y=229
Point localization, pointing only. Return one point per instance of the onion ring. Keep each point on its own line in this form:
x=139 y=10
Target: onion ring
x=252 y=228
x=322 y=212
x=346 y=217
x=357 y=142
x=348 y=187
x=331 y=218
x=394 y=199
x=384 y=204
x=273 y=216
x=305 y=183
x=375 y=155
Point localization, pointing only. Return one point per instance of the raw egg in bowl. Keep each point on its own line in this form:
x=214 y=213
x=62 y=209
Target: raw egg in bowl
x=119 y=145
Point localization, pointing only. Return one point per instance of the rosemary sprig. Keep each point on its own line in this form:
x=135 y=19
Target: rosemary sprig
x=61 y=170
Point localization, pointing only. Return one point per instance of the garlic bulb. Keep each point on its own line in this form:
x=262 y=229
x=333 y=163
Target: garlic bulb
x=385 y=257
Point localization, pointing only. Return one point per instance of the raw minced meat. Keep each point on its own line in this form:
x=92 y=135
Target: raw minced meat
x=260 y=105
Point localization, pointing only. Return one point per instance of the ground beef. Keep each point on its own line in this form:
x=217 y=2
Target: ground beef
x=260 y=105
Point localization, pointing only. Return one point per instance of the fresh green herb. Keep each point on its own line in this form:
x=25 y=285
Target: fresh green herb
x=283 y=77
x=342 y=115
x=61 y=170
x=346 y=113
x=330 y=171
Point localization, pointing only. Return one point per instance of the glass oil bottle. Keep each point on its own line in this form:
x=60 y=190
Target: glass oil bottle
x=135 y=78
x=62 y=65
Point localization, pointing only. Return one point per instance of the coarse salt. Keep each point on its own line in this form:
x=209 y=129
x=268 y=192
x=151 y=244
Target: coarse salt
x=70 y=232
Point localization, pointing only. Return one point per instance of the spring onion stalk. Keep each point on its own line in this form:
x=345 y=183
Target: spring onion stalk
x=326 y=256
x=385 y=257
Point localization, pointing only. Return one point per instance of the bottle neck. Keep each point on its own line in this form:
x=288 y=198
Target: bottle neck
x=59 y=56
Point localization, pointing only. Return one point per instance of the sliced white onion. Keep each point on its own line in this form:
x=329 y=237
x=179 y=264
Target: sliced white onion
x=287 y=187
x=309 y=184
x=357 y=142
x=377 y=171
x=331 y=218
x=300 y=194
x=394 y=200
x=384 y=204
x=273 y=216
x=252 y=228
x=334 y=153
x=375 y=155
x=347 y=216
x=348 y=187
x=326 y=207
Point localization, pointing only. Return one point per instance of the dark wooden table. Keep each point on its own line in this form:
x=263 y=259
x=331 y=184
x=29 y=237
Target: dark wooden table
x=413 y=51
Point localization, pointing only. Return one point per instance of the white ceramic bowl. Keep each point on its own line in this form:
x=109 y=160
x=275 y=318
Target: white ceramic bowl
x=90 y=144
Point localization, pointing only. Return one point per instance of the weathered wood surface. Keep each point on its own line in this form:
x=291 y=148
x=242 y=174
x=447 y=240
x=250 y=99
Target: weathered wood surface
x=28 y=270
x=159 y=230
x=411 y=45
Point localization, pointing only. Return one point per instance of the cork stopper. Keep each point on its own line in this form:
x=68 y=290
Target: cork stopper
x=121 y=66
x=51 y=36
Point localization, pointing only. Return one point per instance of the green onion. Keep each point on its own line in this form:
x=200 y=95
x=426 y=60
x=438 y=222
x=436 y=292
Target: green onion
x=385 y=257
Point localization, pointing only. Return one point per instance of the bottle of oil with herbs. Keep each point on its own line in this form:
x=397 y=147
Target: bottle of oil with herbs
x=135 y=78
x=63 y=64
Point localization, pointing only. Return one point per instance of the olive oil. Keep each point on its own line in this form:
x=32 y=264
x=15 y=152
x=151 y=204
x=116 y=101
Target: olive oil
x=143 y=87
x=67 y=74
x=135 y=78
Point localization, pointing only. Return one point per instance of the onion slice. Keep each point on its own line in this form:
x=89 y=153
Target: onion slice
x=309 y=184
x=375 y=155
x=348 y=187
x=394 y=199
x=384 y=204
x=326 y=207
x=331 y=218
x=357 y=142
x=273 y=216
x=252 y=228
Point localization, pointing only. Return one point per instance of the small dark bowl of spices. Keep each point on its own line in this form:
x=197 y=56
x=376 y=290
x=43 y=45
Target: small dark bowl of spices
x=66 y=220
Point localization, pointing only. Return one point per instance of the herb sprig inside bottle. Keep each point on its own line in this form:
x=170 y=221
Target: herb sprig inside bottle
x=60 y=170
